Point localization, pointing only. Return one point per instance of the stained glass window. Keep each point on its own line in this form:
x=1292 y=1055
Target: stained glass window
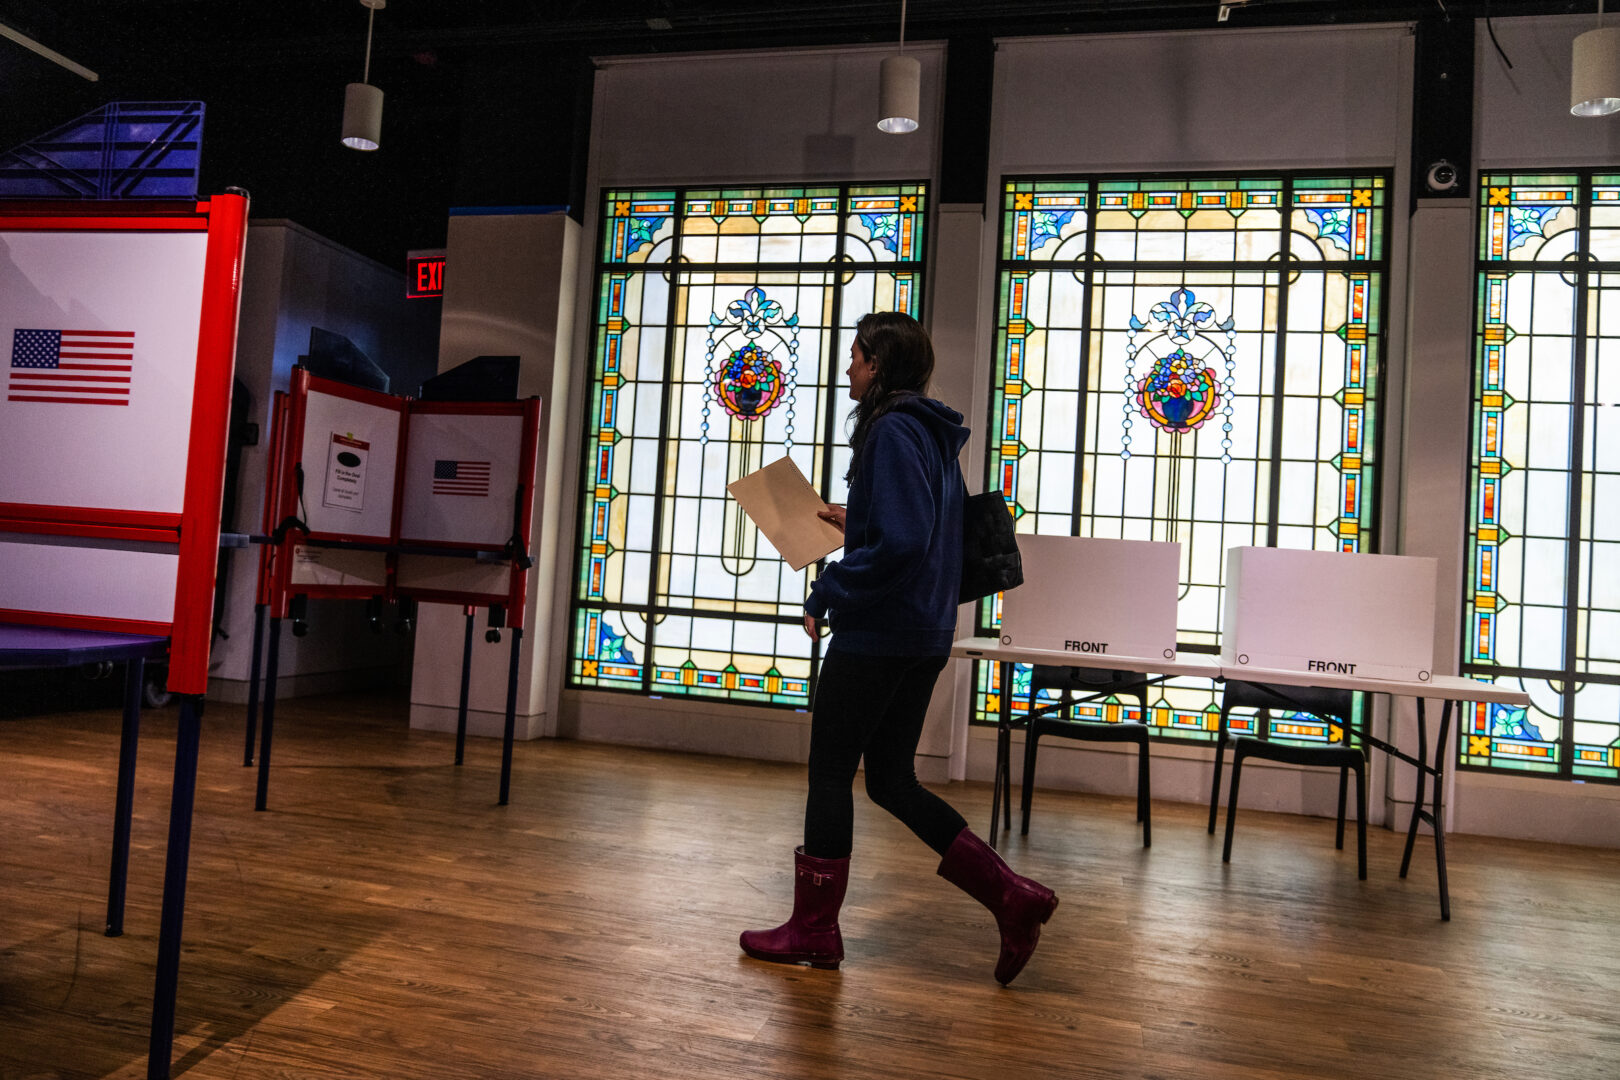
x=1189 y=359
x=1542 y=606
x=723 y=322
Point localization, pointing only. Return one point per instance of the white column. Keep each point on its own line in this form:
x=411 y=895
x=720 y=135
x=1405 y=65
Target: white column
x=961 y=375
x=1434 y=454
x=510 y=283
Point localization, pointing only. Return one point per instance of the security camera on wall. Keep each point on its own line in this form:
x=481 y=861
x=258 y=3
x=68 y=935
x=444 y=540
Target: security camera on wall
x=1441 y=177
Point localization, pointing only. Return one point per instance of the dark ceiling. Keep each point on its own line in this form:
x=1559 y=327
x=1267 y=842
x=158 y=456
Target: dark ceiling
x=488 y=99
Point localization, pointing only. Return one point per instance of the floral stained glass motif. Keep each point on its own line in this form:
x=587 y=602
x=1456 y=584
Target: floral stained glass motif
x=721 y=322
x=1542 y=607
x=1160 y=375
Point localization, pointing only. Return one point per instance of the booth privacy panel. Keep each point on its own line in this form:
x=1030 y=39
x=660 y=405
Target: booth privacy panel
x=349 y=454
x=461 y=479
x=1090 y=595
x=100 y=334
x=1329 y=611
x=64 y=578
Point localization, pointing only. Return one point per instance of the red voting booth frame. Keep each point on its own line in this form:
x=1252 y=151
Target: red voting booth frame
x=193 y=532
x=276 y=587
x=282 y=521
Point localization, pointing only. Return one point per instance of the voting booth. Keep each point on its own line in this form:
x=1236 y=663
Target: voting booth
x=120 y=322
x=389 y=499
x=1094 y=597
x=1329 y=613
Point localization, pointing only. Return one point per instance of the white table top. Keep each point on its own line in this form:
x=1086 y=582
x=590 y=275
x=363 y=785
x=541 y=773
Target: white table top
x=1449 y=687
x=988 y=648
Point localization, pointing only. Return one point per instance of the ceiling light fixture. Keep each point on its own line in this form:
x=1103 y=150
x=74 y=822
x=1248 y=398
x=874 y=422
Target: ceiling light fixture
x=900 y=87
x=1594 y=81
x=50 y=54
x=362 y=102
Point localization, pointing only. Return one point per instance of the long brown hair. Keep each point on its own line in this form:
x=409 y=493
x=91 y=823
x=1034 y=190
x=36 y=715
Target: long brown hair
x=902 y=359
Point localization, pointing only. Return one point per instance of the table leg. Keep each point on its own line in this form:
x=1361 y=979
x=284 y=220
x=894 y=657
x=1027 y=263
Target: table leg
x=511 y=715
x=466 y=676
x=134 y=677
x=1417 y=799
x=174 y=886
x=1438 y=819
x=253 y=685
x=269 y=714
x=1000 y=790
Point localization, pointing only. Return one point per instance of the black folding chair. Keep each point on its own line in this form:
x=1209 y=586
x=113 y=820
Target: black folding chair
x=1321 y=702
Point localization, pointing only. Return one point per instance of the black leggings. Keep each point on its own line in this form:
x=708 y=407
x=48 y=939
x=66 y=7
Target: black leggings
x=872 y=705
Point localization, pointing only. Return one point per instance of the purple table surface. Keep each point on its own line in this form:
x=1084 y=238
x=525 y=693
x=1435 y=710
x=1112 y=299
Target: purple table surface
x=49 y=646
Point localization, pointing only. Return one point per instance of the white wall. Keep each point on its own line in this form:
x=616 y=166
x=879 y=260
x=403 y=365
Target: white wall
x=510 y=291
x=1195 y=100
x=1522 y=121
x=1285 y=98
x=292 y=280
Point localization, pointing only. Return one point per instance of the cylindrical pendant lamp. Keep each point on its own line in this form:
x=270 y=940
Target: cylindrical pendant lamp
x=362 y=116
x=1594 y=85
x=899 y=94
x=362 y=102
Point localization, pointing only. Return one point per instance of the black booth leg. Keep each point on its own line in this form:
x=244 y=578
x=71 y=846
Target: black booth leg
x=1026 y=794
x=267 y=729
x=1232 y=803
x=174 y=886
x=1003 y=749
x=1440 y=751
x=1361 y=824
x=129 y=739
x=1417 y=798
x=1344 y=780
x=1006 y=786
x=253 y=685
x=1215 y=784
x=466 y=680
x=1003 y=780
x=511 y=715
x=1144 y=793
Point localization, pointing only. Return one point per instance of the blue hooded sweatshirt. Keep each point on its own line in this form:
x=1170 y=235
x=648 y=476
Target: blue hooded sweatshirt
x=894 y=592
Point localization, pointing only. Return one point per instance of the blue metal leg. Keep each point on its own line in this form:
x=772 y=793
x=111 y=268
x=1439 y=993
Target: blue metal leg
x=269 y=714
x=134 y=677
x=174 y=886
x=511 y=716
x=253 y=684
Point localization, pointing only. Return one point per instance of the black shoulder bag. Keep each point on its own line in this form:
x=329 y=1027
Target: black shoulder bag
x=990 y=560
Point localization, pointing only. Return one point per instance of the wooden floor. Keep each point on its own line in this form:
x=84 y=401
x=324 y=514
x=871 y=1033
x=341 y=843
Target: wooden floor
x=386 y=920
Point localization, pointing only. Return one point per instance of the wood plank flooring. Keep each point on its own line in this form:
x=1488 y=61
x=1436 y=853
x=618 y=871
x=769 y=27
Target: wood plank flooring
x=386 y=920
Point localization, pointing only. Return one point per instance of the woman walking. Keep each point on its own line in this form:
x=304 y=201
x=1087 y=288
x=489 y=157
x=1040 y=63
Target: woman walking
x=891 y=601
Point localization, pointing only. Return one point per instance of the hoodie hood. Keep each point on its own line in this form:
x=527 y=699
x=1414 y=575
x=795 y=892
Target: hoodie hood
x=942 y=421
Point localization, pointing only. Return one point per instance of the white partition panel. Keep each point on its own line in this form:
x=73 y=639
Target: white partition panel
x=349 y=455
x=338 y=567
x=1332 y=612
x=99 y=332
x=461 y=475
x=440 y=573
x=1093 y=596
x=98 y=582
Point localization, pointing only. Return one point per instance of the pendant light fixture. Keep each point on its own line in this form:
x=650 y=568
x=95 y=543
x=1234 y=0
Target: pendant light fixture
x=1594 y=82
x=362 y=102
x=900 y=83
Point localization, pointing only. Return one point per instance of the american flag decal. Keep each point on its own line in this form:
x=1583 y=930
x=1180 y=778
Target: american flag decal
x=461 y=478
x=72 y=367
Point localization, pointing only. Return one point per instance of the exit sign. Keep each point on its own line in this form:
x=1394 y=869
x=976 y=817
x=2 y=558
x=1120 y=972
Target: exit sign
x=424 y=273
